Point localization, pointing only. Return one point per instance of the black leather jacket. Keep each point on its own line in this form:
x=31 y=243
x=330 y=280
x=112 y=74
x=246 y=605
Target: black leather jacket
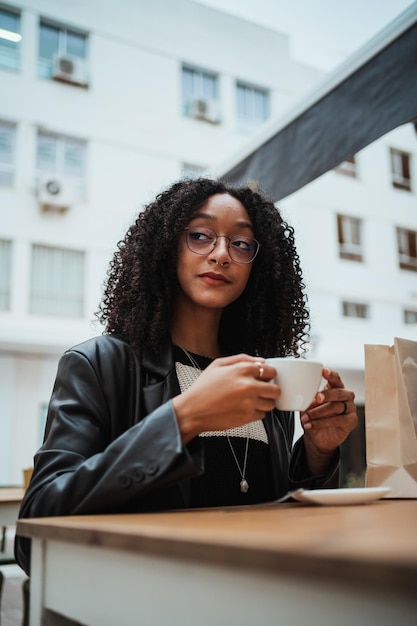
x=113 y=445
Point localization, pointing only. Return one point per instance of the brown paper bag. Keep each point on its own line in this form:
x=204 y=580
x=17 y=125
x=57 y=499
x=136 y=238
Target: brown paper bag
x=391 y=417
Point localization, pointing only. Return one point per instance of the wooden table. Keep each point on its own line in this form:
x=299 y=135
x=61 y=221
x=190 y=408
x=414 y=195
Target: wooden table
x=284 y=564
x=10 y=499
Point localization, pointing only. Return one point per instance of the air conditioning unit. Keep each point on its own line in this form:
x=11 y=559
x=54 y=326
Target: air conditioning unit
x=69 y=69
x=207 y=110
x=55 y=194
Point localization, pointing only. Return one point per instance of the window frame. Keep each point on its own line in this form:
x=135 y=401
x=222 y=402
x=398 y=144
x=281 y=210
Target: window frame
x=11 y=48
x=252 y=91
x=355 y=310
x=6 y=252
x=349 y=249
x=191 y=170
x=76 y=183
x=410 y=316
x=197 y=92
x=47 y=297
x=9 y=168
x=348 y=167
x=45 y=64
x=407 y=248
x=400 y=169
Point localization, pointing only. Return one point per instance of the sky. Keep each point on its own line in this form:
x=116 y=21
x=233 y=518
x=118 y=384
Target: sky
x=323 y=33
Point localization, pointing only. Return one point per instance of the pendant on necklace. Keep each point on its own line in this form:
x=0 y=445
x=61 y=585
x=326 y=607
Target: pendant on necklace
x=244 y=485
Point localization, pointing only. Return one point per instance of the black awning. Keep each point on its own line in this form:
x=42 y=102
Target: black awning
x=376 y=98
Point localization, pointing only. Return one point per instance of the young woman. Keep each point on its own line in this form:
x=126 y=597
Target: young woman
x=172 y=407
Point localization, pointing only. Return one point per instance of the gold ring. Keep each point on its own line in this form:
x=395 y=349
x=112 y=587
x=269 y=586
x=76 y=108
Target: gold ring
x=261 y=370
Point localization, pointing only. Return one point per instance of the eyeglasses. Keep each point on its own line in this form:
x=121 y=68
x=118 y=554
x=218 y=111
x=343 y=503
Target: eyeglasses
x=202 y=240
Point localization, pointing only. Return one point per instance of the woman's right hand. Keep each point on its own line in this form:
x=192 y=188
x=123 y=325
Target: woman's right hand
x=231 y=391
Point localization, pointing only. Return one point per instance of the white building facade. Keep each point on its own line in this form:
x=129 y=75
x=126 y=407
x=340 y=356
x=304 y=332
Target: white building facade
x=102 y=105
x=356 y=230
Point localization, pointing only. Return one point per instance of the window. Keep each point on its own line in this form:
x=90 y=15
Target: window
x=189 y=170
x=349 y=234
x=56 y=41
x=7 y=153
x=407 y=248
x=10 y=38
x=57 y=281
x=410 y=316
x=57 y=154
x=200 y=97
x=5 y=274
x=348 y=167
x=355 y=309
x=62 y=157
x=400 y=169
x=252 y=106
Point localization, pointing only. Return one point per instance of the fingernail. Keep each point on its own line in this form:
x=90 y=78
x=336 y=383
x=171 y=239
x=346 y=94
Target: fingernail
x=320 y=397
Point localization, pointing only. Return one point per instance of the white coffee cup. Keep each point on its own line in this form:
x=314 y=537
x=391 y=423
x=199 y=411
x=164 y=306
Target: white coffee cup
x=299 y=381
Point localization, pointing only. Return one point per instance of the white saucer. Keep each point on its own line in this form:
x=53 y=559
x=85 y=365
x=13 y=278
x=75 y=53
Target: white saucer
x=360 y=495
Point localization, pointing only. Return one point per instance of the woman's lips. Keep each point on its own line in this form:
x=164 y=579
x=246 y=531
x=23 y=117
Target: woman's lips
x=212 y=278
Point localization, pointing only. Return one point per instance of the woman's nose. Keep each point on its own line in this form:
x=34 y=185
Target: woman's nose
x=220 y=252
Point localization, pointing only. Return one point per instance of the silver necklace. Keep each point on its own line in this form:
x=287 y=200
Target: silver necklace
x=244 y=485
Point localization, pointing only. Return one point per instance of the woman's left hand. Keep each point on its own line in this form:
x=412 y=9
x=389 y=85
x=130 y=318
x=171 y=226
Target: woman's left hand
x=328 y=421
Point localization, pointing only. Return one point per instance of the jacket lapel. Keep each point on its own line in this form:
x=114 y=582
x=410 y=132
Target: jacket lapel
x=160 y=384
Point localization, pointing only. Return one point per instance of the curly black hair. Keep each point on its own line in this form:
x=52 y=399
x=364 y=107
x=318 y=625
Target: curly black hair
x=270 y=318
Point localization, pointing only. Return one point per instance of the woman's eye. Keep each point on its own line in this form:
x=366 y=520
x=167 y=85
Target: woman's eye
x=242 y=244
x=199 y=236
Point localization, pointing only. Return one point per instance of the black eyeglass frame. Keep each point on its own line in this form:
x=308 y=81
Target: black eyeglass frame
x=230 y=239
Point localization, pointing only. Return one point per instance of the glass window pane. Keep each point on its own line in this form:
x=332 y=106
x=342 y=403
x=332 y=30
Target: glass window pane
x=355 y=231
x=74 y=158
x=187 y=85
x=401 y=169
x=252 y=105
x=240 y=101
x=9 y=49
x=5 y=274
x=6 y=144
x=190 y=170
x=196 y=84
x=46 y=157
x=208 y=87
x=402 y=241
x=57 y=281
x=247 y=104
x=260 y=105
x=9 y=21
x=76 y=45
x=48 y=41
x=48 y=49
x=349 y=237
x=410 y=317
x=413 y=244
x=62 y=156
x=7 y=154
